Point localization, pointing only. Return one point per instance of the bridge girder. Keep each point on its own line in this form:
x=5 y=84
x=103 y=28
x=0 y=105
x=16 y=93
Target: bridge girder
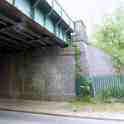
x=19 y=31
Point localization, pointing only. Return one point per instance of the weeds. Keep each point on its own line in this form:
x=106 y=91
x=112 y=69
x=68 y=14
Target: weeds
x=107 y=95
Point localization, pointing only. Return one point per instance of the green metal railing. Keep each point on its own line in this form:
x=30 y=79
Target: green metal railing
x=107 y=82
x=58 y=8
x=115 y=83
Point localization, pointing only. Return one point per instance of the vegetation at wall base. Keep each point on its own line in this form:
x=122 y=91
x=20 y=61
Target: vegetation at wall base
x=109 y=95
x=83 y=83
x=84 y=86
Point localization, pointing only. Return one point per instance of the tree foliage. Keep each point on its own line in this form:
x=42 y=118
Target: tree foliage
x=109 y=36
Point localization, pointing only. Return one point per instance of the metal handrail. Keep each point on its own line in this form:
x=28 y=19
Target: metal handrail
x=62 y=13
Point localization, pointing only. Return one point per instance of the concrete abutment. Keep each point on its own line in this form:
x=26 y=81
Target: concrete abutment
x=42 y=74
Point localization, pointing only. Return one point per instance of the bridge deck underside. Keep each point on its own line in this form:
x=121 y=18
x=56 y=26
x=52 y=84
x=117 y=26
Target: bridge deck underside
x=17 y=31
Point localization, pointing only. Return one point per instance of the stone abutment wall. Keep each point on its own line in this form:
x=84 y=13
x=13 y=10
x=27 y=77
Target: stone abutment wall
x=43 y=74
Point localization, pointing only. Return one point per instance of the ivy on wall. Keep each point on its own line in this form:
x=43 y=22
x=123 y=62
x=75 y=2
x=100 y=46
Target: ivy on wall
x=83 y=83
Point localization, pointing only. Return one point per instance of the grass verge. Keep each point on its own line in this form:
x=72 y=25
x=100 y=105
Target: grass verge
x=80 y=106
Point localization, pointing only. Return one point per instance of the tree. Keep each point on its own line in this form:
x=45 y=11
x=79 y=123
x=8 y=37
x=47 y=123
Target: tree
x=109 y=36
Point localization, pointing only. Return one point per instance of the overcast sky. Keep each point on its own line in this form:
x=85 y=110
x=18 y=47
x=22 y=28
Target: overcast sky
x=90 y=11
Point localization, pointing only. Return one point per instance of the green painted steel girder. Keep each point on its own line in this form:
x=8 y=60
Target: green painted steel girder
x=51 y=19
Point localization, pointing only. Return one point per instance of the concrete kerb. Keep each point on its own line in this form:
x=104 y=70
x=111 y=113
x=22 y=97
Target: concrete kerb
x=63 y=115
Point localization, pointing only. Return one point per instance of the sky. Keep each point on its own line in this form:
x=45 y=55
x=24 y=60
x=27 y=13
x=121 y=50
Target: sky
x=90 y=11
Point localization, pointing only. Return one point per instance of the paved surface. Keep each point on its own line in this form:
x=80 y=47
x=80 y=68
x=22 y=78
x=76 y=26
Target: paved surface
x=26 y=118
x=56 y=109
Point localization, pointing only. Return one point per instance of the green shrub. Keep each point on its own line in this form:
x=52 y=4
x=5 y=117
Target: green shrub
x=85 y=86
x=104 y=96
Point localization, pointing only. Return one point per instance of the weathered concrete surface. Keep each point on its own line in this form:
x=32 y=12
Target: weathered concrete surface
x=47 y=74
x=99 y=63
x=95 y=62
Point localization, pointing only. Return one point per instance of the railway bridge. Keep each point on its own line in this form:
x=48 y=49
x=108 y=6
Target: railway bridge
x=34 y=63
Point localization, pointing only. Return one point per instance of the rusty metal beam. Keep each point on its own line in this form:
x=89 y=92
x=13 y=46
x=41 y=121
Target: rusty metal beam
x=4 y=28
x=13 y=36
x=15 y=45
x=18 y=30
x=3 y=37
x=7 y=45
x=6 y=19
x=20 y=33
x=41 y=37
x=3 y=23
x=11 y=41
x=31 y=43
x=18 y=36
x=28 y=36
x=15 y=40
x=31 y=33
